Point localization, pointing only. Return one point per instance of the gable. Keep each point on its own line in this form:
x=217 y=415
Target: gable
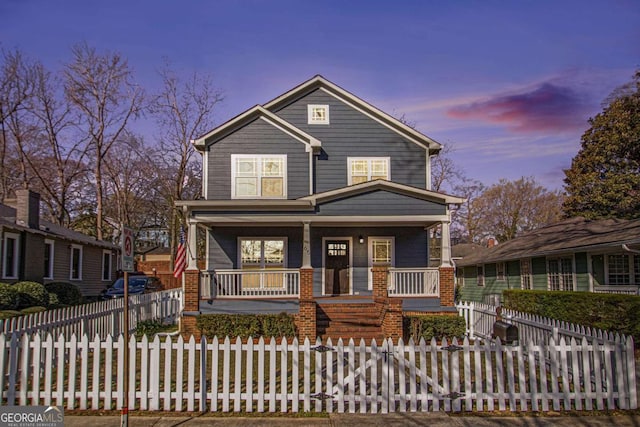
x=380 y=203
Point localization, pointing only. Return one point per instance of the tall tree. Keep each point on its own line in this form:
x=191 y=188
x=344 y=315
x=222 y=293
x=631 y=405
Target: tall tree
x=101 y=89
x=509 y=208
x=183 y=110
x=604 y=178
x=467 y=219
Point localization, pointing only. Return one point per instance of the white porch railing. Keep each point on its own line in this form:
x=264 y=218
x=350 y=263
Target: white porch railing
x=621 y=289
x=414 y=282
x=281 y=283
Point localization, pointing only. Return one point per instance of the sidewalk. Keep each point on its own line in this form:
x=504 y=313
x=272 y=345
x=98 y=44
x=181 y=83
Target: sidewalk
x=437 y=419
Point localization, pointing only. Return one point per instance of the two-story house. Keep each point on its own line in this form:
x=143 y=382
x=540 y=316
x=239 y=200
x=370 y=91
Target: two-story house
x=319 y=204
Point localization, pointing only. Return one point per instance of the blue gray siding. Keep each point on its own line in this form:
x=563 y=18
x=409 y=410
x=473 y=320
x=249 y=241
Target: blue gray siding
x=353 y=134
x=258 y=137
x=381 y=203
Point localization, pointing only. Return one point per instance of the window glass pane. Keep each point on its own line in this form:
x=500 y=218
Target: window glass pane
x=379 y=169
x=318 y=114
x=75 y=263
x=246 y=167
x=106 y=266
x=10 y=257
x=251 y=251
x=246 y=187
x=525 y=274
x=272 y=187
x=619 y=273
x=47 y=260
x=358 y=179
x=274 y=252
x=272 y=167
x=359 y=167
x=381 y=252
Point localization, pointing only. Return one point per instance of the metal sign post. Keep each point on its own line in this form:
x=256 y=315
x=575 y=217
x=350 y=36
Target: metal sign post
x=127 y=266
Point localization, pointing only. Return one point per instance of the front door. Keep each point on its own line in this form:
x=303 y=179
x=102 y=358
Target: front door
x=336 y=267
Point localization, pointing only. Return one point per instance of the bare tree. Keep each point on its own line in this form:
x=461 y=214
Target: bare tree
x=467 y=219
x=445 y=174
x=183 y=110
x=101 y=89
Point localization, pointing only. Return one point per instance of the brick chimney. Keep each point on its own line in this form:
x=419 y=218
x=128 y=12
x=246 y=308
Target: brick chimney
x=28 y=209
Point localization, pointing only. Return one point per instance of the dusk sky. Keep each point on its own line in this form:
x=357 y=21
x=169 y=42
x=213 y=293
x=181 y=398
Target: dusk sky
x=508 y=84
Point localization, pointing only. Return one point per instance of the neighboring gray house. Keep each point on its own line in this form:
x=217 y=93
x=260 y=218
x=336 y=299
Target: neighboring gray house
x=575 y=254
x=318 y=179
x=36 y=250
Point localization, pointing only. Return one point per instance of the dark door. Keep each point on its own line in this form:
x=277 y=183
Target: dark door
x=337 y=267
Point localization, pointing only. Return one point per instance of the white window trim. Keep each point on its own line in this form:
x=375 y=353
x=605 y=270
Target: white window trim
x=324 y=256
x=261 y=238
x=51 y=258
x=16 y=254
x=368 y=159
x=234 y=157
x=106 y=252
x=310 y=119
x=73 y=246
x=370 y=240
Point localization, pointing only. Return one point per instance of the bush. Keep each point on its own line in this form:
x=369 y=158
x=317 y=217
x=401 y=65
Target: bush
x=31 y=293
x=34 y=309
x=67 y=293
x=611 y=312
x=152 y=327
x=434 y=326
x=246 y=325
x=9 y=298
x=7 y=314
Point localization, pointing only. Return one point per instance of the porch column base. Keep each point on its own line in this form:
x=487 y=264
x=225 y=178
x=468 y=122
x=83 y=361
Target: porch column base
x=447 y=298
x=306 y=318
x=191 y=290
x=392 y=322
x=188 y=326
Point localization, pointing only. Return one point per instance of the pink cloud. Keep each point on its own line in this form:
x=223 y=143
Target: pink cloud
x=548 y=107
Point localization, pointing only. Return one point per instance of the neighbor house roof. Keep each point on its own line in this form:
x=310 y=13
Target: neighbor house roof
x=570 y=235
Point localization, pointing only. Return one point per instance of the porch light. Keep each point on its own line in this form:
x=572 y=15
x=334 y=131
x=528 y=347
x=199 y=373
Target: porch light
x=361 y=239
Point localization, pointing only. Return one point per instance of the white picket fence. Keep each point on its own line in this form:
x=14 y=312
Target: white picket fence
x=101 y=318
x=531 y=328
x=279 y=376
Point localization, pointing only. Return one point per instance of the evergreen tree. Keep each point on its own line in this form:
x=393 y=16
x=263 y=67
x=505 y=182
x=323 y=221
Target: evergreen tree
x=604 y=178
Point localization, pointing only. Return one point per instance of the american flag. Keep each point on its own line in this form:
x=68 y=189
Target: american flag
x=181 y=256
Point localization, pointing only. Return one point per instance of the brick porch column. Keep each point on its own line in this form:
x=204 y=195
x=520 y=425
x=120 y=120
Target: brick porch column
x=446 y=286
x=191 y=309
x=380 y=283
x=307 y=315
x=392 y=322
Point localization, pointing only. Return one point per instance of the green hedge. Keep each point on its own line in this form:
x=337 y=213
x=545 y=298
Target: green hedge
x=9 y=298
x=32 y=293
x=611 y=312
x=67 y=293
x=246 y=325
x=433 y=326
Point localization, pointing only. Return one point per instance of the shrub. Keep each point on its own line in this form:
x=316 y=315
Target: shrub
x=32 y=293
x=611 y=312
x=9 y=298
x=434 y=326
x=67 y=293
x=54 y=302
x=7 y=314
x=152 y=327
x=246 y=325
x=34 y=309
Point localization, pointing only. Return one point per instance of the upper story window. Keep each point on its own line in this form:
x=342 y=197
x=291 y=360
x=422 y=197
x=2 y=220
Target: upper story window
x=363 y=169
x=48 y=259
x=258 y=176
x=318 y=114
x=10 y=251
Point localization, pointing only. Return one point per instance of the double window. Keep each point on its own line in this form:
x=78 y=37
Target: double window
x=363 y=169
x=10 y=255
x=259 y=176
x=560 y=274
x=259 y=253
x=623 y=269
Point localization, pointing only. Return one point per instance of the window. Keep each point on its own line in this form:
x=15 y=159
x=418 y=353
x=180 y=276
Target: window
x=262 y=253
x=435 y=246
x=480 y=275
x=618 y=268
x=10 y=250
x=560 y=274
x=106 y=265
x=259 y=176
x=525 y=274
x=500 y=271
x=76 y=263
x=48 y=259
x=318 y=114
x=363 y=169
x=636 y=268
